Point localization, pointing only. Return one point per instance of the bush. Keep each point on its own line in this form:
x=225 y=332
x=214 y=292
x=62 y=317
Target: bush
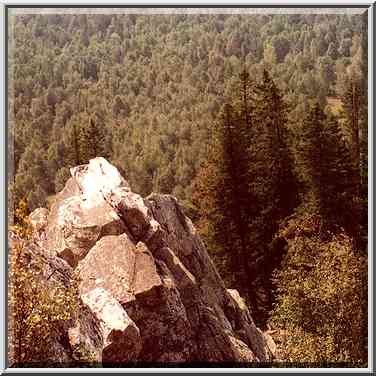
x=37 y=306
x=321 y=303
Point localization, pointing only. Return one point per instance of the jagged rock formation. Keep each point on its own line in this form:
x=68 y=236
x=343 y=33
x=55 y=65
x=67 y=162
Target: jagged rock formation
x=146 y=277
x=82 y=330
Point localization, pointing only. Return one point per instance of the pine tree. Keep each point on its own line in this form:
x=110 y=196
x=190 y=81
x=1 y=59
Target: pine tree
x=31 y=181
x=273 y=183
x=75 y=145
x=351 y=103
x=326 y=170
x=247 y=187
x=310 y=151
x=224 y=199
x=356 y=120
x=71 y=142
x=339 y=206
x=243 y=102
x=89 y=141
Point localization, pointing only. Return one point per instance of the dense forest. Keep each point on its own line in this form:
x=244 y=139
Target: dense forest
x=256 y=123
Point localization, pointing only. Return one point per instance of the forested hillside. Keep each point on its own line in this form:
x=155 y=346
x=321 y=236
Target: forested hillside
x=154 y=84
x=256 y=123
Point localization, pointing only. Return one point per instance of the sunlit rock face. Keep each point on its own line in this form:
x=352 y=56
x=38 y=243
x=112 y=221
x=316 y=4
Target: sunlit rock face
x=80 y=215
x=97 y=178
x=39 y=219
x=146 y=277
x=121 y=337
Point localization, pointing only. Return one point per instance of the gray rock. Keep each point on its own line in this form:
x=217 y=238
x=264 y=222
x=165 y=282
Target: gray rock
x=81 y=332
x=122 y=342
x=246 y=328
x=97 y=178
x=110 y=264
x=148 y=258
x=80 y=215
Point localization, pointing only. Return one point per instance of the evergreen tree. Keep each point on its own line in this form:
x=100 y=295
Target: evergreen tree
x=326 y=170
x=243 y=103
x=339 y=206
x=310 y=154
x=32 y=182
x=351 y=103
x=250 y=188
x=225 y=200
x=72 y=141
x=92 y=141
x=273 y=183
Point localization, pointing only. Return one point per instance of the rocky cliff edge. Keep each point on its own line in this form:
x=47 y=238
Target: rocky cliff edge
x=149 y=289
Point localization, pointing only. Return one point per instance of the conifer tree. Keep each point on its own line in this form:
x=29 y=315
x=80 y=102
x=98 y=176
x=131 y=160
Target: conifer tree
x=326 y=170
x=92 y=141
x=310 y=149
x=351 y=103
x=243 y=102
x=355 y=111
x=89 y=141
x=224 y=199
x=32 y=180
x=72 y=142
x=339 y=204
x=273 y=183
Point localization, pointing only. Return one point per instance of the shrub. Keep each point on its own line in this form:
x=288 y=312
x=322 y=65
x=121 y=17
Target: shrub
x=321 y=304
x=37 y=306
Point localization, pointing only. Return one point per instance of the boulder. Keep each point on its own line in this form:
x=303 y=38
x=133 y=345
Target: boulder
x=97 y=178
x=122 y=342
x=161 y=316
x=246 y=329
x=134 y=213
x=271 y=344
x=77 y=224
x=115 y=263
x=70 y=189
x=144 y=258
x=144 y=266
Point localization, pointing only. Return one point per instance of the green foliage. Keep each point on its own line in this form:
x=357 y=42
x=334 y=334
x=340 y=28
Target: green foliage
x=156 y=84
x=161 y=97
x=32 y=174
x=61 y=178
x=84 y=356
x=241 y=201
x=222 y=194
x=92 y=141
x=273 y=184
x=322 y=301
x=326 y=171
x=21 y=226
x=37 y=307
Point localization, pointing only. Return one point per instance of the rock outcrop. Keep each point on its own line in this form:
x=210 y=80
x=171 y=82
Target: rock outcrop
x=145 y=276
x=81 y=331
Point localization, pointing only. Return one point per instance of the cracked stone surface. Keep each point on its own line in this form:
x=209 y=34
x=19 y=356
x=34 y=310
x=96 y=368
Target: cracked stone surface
x=146 y=275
